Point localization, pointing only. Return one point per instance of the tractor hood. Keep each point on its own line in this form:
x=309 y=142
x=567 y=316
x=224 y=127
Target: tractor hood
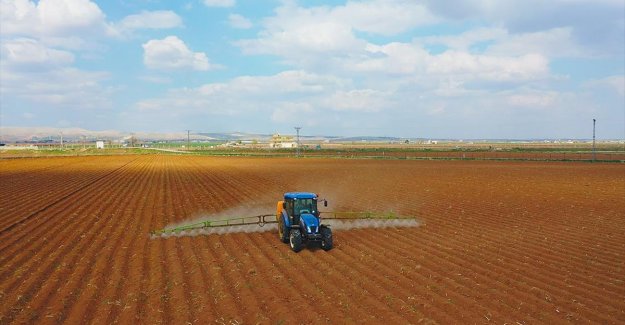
x=310 y=222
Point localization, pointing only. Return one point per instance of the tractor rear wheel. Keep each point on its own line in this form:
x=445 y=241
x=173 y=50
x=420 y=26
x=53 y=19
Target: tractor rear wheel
x=283 y=231
x=295 y=239
x=326 y=238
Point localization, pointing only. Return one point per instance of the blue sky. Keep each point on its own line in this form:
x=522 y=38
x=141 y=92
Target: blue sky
x=430 y=69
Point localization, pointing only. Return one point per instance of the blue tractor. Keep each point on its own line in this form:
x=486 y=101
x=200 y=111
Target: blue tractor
x=298 y=219
x=299 y=222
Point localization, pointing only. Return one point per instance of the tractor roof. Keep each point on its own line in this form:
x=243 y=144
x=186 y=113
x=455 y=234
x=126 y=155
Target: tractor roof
x=300 y=195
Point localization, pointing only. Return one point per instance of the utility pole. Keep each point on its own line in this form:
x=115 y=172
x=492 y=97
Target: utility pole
x=297 y=128
x=188 y=139
x=61 y=140
x=594 y=153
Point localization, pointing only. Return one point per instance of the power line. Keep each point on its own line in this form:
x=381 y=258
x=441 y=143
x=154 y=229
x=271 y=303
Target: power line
x=297 y=128
x=594 y=153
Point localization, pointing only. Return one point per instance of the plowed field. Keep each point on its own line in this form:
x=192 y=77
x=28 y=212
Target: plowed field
x=526 y=242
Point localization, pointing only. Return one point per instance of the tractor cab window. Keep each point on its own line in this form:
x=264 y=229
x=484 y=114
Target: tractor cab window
x=302 y=206
x=289 y=207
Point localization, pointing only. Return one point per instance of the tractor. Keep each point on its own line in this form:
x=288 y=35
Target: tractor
x=298 y=219
x=299 y=222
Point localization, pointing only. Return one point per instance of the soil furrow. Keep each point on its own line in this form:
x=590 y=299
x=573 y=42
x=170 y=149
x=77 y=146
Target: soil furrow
x=43 y=232
x=540 y=253
x=21 y=254
x=496 y=272
x=70 y=294
x=121 y=286
x=394 y=294
x=83 y=308
x=60 y=261
x=273 y=274
x=438 y=277
x=35 y=229
x=63 y=198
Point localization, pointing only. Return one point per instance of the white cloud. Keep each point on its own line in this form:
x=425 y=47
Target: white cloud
x=156 y=79
x=411 y=60
x=160 y=19
x=74 y=24
x=284 y=112
x=324 y=39
x=35 y=69
x=397 y=74
x=615 y=3
x=617 y=83
x=32 y=72
x=51 y=18
x=279 y=93
x=63 y=87
x=240 y=22
x=171 y=53
x=336 y=107
x=555 y=43
x=302 y=41
x=67 y=24
x=450 y=87
x=361 y=100
x=533 y=100
x=465 y=40
x=25 y=53
x=597 y=26
x=219 y=3
x=290 y=97
x=287 y=82
x=507 y=11
x=294 y=32
x=613 y=83
x=392 y=58
x=526 y=67
x=387 y=17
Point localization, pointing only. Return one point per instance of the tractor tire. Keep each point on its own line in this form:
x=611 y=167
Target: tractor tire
x=295 y=239
x=283 y=231
x=326 y=239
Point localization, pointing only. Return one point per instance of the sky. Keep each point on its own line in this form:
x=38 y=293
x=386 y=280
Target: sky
x=465 y=69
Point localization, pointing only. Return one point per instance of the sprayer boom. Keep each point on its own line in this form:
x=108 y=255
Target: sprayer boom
x=260 y=220
x=263 y=219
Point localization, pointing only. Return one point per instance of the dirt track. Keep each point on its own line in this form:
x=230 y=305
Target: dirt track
x=527 y=242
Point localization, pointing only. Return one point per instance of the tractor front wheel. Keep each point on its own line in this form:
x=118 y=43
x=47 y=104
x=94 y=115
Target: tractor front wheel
x=326 y=238
x=296 y=240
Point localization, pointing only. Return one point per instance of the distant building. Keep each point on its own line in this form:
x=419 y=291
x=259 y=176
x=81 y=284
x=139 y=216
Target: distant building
x=281 y=141
x=99 y=144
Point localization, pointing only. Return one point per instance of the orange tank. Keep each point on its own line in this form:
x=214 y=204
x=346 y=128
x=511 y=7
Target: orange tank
x=279 y=210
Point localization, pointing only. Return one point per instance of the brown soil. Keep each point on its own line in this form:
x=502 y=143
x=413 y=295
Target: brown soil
x=526 y=242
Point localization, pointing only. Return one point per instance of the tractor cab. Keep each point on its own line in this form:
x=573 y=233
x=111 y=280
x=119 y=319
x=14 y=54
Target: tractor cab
x=297 y=204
